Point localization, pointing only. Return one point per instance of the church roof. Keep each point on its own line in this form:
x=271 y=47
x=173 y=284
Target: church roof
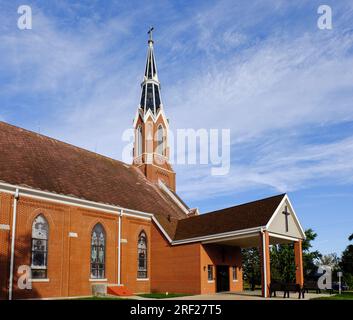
x=245 y=216
x=36 y=161
x=33 y=160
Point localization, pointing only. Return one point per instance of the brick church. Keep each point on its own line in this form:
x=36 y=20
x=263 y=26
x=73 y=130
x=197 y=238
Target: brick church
x=75 y=218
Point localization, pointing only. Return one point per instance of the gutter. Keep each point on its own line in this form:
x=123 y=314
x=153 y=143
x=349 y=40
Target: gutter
x=13 y=236
x=119 y=249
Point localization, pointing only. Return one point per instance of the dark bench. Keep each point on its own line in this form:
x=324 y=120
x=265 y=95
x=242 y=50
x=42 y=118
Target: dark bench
x=286 y=288
x=313 y=285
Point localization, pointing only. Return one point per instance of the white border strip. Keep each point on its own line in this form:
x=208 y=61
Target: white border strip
x=286 y=198
x=67 y=200
x=218 y=236
x=162 y=229
x=280 y=236
x=173 y=197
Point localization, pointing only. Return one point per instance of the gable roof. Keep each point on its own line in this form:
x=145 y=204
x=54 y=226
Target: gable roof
x=36 y=161
x=33 y=160
x=244 y=216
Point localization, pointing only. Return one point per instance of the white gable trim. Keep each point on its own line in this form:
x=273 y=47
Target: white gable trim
x=162 y=229
x=174 y=198
x=286 y=198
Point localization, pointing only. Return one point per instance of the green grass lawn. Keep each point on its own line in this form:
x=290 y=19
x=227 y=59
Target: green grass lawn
x=348 y=295
x=163 y=295
x=101 y=298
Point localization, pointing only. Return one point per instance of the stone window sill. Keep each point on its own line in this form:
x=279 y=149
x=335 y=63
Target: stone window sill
x=40 y=280
x=98 y=280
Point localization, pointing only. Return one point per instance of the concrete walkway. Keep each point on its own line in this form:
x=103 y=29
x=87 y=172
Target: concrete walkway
x=246 y=295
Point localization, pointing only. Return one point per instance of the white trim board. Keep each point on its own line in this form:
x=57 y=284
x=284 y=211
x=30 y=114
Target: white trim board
x=173 y=197
x=295 y=217
x=67 y=200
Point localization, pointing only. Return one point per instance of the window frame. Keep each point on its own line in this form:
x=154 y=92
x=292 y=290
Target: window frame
x=210 y=273
x=95 y=270
x=142 y=273
x=43 y=269
x=235 y=273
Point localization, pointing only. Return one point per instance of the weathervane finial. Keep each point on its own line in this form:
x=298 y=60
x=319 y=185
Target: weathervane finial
x=150 y=31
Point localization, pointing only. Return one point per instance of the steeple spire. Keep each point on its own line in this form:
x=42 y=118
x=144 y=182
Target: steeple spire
x=151 y=147
x=150 y=96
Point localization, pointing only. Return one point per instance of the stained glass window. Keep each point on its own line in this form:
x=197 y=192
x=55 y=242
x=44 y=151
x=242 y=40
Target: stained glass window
x=142 y=256
x=98 y=252
x=39 y=263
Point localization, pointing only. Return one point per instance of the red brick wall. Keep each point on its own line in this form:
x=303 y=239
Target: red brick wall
x=131 y=229
x=220 y=255
x=174 y=269
x=68 y=258
x=5 y=218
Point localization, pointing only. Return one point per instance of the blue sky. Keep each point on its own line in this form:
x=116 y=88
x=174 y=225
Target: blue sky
x=262 y=69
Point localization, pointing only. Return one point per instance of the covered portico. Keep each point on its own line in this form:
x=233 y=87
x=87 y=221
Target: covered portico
x=282 y=228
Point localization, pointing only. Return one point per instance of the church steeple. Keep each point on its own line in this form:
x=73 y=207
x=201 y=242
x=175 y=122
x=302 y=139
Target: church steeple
x=150 y=94
x=151 y=150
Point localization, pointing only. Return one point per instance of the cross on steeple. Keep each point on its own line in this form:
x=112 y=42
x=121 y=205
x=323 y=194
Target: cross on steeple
x=286 y=213
x=150 y=32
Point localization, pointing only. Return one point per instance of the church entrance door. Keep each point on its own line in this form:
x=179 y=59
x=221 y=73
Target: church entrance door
x=222 y=278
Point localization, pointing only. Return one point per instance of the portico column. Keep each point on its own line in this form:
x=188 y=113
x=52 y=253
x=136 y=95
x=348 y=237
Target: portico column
x=298 y=256
x=265 y=262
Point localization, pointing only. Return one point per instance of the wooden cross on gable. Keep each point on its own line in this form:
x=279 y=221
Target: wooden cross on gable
x=286 y=213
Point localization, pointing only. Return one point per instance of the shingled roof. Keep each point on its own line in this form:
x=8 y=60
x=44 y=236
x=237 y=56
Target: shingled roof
x=244 y=216
x=33 y=160
x=39 y=162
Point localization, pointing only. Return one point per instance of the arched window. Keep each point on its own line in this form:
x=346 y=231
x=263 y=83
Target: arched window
x=160 y=140
x=139 y=141
x=142 y=256
x=39 y=263
x=98 y=252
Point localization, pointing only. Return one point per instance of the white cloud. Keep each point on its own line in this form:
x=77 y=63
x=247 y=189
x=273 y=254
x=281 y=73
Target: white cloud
x=259 y=88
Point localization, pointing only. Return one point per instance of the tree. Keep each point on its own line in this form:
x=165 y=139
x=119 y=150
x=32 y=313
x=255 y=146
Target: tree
x=251 y=267
x=347 y=258
x=310 y=258
x=332 y=260
x=282 y=263
x=282 y=259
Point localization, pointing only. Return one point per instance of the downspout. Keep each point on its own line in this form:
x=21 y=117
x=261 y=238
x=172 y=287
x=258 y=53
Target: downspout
x=13 y=235
x=119 y=248
x=264 y=261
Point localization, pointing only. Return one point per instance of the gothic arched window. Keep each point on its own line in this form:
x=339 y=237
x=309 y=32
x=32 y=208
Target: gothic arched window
x=142 y=256
x=139 y=141
x=160 y=140
x=39 y=263
x=98 y=252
